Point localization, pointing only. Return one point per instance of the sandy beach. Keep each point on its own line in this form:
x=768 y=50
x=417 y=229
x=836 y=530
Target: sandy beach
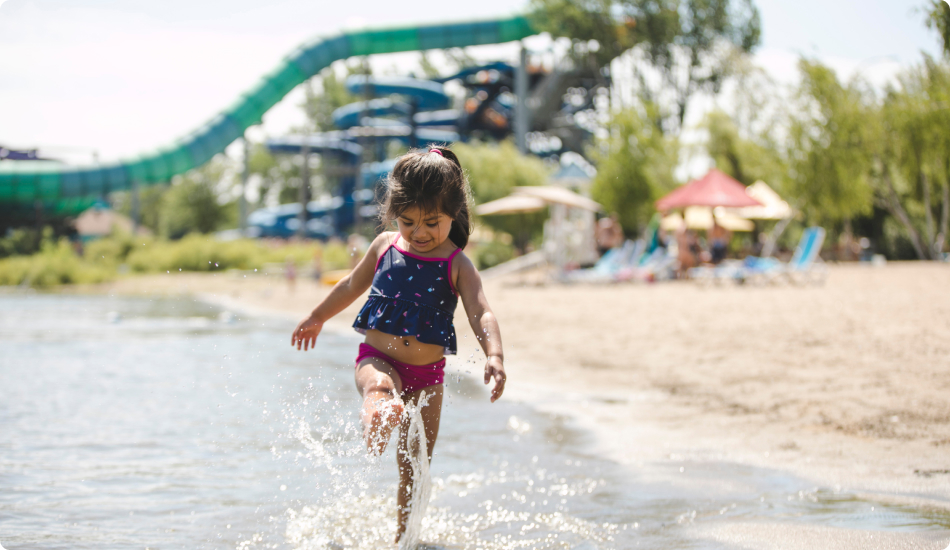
x=846 y=385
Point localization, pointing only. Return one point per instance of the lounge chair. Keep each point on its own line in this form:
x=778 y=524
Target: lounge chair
x=805 y=267
x=610 y=266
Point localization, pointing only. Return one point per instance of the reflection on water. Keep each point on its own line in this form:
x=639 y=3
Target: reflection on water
x=133 y=423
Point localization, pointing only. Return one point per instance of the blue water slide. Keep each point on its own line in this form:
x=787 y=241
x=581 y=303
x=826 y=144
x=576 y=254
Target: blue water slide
x=427 y=94
x=500 y=66
x=348 y=116
x=443 y=117
x=321 y=144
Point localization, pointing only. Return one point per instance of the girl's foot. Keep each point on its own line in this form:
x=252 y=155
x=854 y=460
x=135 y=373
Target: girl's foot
x=380 y=417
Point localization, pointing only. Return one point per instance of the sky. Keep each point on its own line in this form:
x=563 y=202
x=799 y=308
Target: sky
x=115 y=78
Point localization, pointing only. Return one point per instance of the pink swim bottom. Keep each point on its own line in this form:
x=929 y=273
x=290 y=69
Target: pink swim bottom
x=414 y=377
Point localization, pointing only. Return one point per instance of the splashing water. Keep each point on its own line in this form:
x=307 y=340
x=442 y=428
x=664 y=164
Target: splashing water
x=418 y=449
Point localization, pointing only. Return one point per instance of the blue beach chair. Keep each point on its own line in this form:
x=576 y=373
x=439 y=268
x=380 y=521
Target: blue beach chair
x=805 y=267
x=612 y=263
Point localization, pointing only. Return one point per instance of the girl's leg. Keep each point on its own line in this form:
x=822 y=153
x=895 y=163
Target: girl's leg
x=431 y=415
x=380 y=385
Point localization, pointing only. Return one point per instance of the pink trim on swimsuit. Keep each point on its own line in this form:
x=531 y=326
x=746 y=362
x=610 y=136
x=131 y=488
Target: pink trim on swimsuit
x=413 y=377
x=418 y=257
x=380 y=258
x=451 y=256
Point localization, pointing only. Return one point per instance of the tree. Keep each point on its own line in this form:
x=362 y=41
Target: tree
x=684 y=46
x=913 y=160
x=692 y=45
x=279 y=176
x=325 y=94
x=191 y=202
x=635 y=168
x=829 y=148
x=586 y=20
x=747 y=160
x=938 y=19
x=493 y=171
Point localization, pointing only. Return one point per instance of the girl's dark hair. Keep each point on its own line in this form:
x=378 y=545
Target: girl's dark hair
x=433 y=182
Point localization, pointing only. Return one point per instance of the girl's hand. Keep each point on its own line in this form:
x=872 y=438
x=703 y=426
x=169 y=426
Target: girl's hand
x=306 y=333
x=495 y=368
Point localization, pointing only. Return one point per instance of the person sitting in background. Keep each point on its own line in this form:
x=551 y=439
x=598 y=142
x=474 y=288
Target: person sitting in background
x=609 y=234
x=688 y=250
x=719 y=238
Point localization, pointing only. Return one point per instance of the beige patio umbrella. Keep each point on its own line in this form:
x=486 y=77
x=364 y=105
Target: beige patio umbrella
x=773 y=207
x=558 y=195
x=512 y=204
x=701 y=217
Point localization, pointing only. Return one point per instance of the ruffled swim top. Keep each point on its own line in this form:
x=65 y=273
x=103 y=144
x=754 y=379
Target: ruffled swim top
x=412 y=296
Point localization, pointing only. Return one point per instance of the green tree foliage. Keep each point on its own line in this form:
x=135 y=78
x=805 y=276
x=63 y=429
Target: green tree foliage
x=938 y=19
x=429 y=70
x=20 y=242
x=830 y=147
x=913 y=158
x=746 y=159
x=191 y=203
x=850 y=150
x=150 y=207
x=494 y=170
x=587 y=20
x=691 y=44
x=635 y=168
x=151 y=198
x=279 y=175
x=325 y=94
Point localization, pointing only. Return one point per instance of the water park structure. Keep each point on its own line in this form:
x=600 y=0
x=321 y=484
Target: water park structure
x=502 y=100
x=68 y=189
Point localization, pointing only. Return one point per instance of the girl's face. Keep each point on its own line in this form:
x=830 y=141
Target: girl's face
x=423 y=231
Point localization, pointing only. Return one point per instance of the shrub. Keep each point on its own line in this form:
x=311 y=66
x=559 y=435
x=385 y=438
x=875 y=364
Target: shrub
x=203 y=253
x=492 y=253
x=58 y=264
x=55 y=264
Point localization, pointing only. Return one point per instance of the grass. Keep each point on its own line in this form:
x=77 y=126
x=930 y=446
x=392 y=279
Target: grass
x=57 y=263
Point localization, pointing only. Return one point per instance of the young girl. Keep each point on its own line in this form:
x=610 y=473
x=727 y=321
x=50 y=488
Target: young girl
x=416 y=275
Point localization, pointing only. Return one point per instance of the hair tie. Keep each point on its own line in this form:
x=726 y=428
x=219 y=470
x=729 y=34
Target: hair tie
x=437 y=152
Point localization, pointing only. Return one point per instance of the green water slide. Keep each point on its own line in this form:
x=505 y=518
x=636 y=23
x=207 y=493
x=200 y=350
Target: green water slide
x=68 y=189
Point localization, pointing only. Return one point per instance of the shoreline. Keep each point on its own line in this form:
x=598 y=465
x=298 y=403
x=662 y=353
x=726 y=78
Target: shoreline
x=844 y=386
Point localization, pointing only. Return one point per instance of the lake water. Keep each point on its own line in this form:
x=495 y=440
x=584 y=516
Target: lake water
x=169 y=423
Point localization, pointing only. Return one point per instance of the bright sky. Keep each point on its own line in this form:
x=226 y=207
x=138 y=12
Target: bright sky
x=120 y=77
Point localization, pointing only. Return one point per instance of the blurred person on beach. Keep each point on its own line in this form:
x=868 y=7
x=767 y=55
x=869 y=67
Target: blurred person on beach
x=416 y=275
x=290 y=272
x=688 y=250
x=719 y=238
x=656 y=236
x=609 y=234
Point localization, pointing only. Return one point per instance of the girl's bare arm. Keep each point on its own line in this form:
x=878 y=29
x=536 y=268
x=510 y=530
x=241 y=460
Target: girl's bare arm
x=348 y=289
x=483 y=322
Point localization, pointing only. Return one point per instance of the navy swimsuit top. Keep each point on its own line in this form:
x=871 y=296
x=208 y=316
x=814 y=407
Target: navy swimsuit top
x=412 y=296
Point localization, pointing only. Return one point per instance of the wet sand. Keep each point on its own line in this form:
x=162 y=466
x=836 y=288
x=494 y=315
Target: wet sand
x=846 y=385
